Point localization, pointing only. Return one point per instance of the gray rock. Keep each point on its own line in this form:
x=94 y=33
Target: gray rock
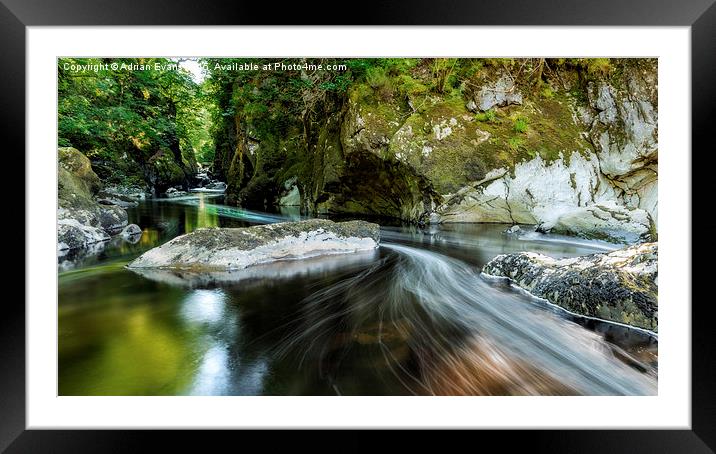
x=514 y=229
x=605 y=221
x=501 y=93
x=124 y=193
x=71 y=234
x=120 y=201
x=219 y=185
x=216 y=249
x=89 y=217
x=256 y=276
x=619 y=286
x=291 y=197
x=174 y=192
x=112 y=218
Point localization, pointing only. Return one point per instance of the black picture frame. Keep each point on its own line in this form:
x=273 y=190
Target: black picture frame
x=700 y=15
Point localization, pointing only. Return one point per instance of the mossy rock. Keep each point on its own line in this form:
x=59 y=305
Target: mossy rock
x=379 y=187
x=80 y=167
x=620 y=286
x=76 y=181
x=164 y=171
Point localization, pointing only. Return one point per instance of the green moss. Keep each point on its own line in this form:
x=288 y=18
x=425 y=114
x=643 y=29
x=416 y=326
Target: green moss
x=489 y=116
x=547 y=92
x=165 y=171
x=520 y=125
x=515 y=143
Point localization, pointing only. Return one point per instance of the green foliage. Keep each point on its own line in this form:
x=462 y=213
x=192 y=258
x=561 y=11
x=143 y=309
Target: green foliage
x=115 y=112
x=592 y=66
x=377 y=77
x=547 y=92
x=520 y=125
x=443 y=73
x=514 y=143
x=409 y=86
x=488 y=116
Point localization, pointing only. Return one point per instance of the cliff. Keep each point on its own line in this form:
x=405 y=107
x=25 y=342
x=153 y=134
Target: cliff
x=569 y=145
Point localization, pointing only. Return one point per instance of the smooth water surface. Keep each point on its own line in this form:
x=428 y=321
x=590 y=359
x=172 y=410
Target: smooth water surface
x=413 y=317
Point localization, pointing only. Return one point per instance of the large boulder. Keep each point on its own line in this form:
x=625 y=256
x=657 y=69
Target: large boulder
x=71 y=234
x=619 y=286
x=112 y=218
x=82 y=220
x=216 y=249
x=76 y=182
x=164 y=171
x=79 y=166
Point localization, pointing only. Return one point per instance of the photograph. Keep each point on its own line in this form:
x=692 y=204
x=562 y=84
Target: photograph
x=344 y=226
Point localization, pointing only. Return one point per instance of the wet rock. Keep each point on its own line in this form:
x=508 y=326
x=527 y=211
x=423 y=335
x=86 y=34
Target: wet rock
x=174 y=192
x=218 y=185
x=164 y=169
x=536 y=191
x=124 y=193
x=291 y=196
x=619 y=286
x=82 y=221
x=256 y=276
x=216 y=249
x=514 y=229
x=117 y=202
x=112 y=218
x=71 y=234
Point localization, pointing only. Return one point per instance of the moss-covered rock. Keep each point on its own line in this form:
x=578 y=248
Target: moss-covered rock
x=163 y=171
x=373 y=186
x=562 y=134
x=226 y=249
x=82 y=221
x=80 y=168
x=620 y=286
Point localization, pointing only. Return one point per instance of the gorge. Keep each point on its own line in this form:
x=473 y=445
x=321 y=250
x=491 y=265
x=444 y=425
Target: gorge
x=540 y=171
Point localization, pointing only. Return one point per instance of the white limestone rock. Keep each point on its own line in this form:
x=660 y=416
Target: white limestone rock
x=216 y=249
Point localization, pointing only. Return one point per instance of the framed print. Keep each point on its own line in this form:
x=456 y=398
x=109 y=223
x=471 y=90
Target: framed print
x=460 y=224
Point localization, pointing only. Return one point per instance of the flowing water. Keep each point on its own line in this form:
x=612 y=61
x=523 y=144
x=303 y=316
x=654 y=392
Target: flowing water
x=412 y=317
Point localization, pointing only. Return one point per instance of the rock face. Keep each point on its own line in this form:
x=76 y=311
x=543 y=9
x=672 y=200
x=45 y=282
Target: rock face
x=500 y=148
x=619 y=286
x=606 y=221
x=82 y=221
x=606 y=189
x=217 y=249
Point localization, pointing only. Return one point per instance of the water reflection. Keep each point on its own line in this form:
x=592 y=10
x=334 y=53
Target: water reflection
x=413 y=317
x=204 y=306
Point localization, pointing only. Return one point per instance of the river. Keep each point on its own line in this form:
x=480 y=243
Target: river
x=414 y=317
